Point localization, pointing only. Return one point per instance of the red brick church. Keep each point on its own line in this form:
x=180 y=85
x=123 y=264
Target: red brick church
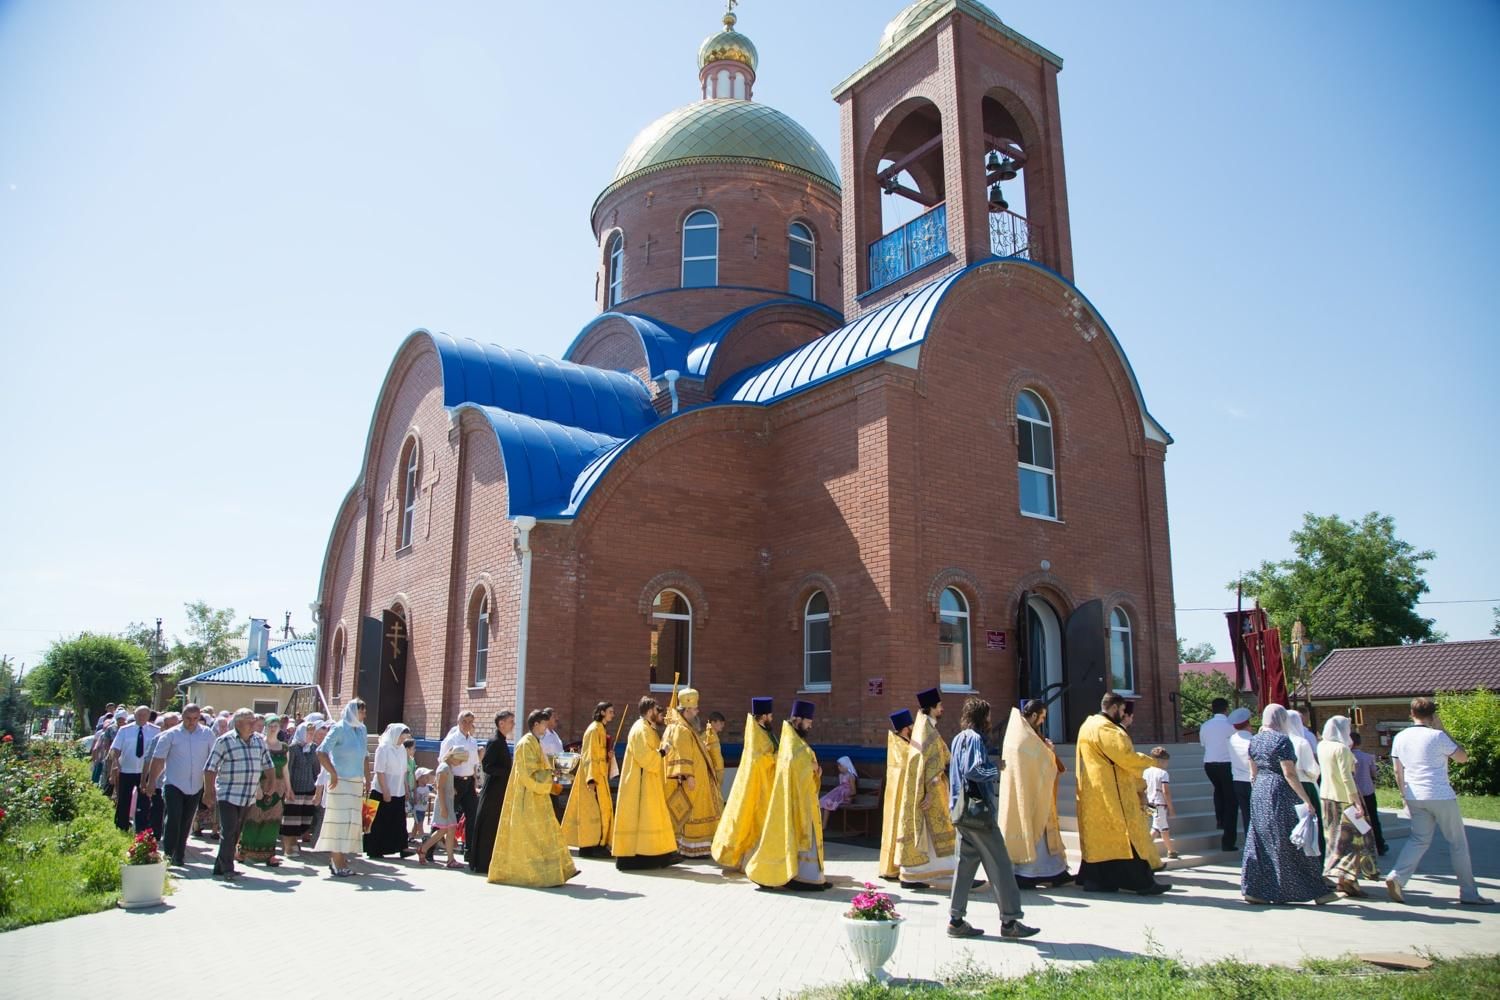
x=839 y=432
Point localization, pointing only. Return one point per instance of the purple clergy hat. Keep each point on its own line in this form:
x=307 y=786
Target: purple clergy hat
x=900 y=720
x=929 y=698
x=802 y=709
x=760 y=706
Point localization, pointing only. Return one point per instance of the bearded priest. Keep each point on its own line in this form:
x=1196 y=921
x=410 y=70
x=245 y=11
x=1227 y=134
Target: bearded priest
x=790 y=852
x=643 y=835
x=693 y=795
x=926 y=843
x=589 y=818
x=745 y=815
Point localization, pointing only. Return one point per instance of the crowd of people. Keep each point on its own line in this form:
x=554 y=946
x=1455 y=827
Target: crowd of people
x=268 y=787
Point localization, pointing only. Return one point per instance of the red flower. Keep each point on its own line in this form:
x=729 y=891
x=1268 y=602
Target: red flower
x=46 y=798
x=8 y=739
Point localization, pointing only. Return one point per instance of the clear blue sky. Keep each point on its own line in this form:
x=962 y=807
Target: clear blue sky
x=218 y=220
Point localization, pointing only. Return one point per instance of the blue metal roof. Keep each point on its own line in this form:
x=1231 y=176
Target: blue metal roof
x=873 y=337
x=700 y=353
x=289 y=663
x=596 y=400
x=665 y=345
x=543 y=460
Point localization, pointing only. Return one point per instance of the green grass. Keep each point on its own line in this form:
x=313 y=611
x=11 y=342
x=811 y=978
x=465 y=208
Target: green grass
x=45 y=866
x=1485 y=807
x=1166 y=979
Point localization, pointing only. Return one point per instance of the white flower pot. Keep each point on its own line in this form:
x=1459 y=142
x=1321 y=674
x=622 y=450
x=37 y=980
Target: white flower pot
x=872 y=942
x=142 y=885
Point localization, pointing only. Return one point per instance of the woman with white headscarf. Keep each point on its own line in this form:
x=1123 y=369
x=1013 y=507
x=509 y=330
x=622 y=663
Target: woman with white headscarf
x=842 y=793
x=342 y=755
x=388 y=786
x=1308 y=768
x=1349 y=857
x=1274 y=869
x=302 y=778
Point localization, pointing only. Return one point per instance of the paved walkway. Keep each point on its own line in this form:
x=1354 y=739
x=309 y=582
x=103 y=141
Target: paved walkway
x=690 y=931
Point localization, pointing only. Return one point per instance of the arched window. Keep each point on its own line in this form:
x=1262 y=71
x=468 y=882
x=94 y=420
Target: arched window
x=616 y=267
x=800 y=254
x=953 y=640
x=410 y=489
x=1038 y=467
x=700 y=250
x=338 y=663
x=1121 y=652
x=817 y=644
x=671 y=641
x=481 y=638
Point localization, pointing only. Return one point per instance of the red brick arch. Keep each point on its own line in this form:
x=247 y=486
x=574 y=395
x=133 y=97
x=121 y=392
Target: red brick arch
x=674 y=579
x=803 y=592
x=965 y=582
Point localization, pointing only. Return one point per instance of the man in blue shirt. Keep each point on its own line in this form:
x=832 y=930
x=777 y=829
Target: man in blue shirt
x=181 y=754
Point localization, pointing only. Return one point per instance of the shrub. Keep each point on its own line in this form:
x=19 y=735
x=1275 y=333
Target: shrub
x=10 y=890
x=100 y=869
x=46 y=781
x=1385 y=773
x=1474 y=721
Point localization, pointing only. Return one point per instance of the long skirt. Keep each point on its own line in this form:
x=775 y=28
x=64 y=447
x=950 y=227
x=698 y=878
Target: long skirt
x=1349 y=856
x=388 y=832
x=1275 y=869
x=262 y=826
x=296 y=814
x=343 y=818
x=481 y=839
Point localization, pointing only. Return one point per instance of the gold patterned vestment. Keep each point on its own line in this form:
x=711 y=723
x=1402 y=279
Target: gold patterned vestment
x=791 y=845
x=1028 y=793
x=1110 y=818
x=643 y=827
x=589 y=817
x=926 y=844
x=897 y=753
x=696 y=810
x=529 y=847
x=745 y=815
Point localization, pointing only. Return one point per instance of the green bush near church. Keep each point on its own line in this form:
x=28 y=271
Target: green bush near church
x=1473 y=720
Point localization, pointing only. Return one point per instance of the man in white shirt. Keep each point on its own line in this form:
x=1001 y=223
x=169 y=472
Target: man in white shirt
x=1214 y=736
x=1421 y=754
x=1239 y=764
x=128 y=751
x=465 y=796
x=552 y=744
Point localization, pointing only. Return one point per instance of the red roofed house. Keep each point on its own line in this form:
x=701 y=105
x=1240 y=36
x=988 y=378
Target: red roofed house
x=1381 y=681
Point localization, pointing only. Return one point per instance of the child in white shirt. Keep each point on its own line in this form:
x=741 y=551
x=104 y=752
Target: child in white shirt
x=1159 y=797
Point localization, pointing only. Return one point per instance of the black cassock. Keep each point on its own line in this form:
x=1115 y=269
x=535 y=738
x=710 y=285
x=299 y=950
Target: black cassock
x=496 y=767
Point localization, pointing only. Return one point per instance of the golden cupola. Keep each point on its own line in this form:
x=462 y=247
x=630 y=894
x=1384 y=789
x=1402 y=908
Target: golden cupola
x=727 y=62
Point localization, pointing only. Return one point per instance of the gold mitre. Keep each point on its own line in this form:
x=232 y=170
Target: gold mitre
x=687 y=698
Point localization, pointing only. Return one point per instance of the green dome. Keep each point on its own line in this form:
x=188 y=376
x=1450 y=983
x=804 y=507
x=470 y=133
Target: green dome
x=913 y=19
x=726 y=131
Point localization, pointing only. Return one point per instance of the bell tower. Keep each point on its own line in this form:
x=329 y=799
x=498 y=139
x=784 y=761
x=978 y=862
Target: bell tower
x=951 y=143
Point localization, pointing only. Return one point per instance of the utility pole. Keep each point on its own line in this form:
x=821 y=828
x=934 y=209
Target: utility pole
x=286 y=627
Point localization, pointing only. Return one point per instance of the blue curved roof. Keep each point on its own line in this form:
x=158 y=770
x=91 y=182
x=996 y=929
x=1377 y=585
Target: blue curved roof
x=700 y=354
x=665 y=345
x=287 y=663
x=872 y=337
x=543 y=459
x=593 y=399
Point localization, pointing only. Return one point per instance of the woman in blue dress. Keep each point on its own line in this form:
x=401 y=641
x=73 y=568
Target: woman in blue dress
x=1276 y=870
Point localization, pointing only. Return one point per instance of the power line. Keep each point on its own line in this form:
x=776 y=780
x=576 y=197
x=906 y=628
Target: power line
x=1471 y=600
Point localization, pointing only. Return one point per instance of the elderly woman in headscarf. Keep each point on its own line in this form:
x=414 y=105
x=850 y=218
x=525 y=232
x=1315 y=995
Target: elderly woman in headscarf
x=1348 y=852
x=1275 y=870
x=263 y=818
x=342 y=755
x=1308 y=768
x=387 y=833
x=842 y=793
x=1028 y=800
x=302 y=778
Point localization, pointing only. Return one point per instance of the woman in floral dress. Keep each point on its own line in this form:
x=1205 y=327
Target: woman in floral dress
x=1276 y=870
x=262 y=825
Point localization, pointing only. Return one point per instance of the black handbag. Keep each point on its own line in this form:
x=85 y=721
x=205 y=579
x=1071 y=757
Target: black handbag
x=974 y=809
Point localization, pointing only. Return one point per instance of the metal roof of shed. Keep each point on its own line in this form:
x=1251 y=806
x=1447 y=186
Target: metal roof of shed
x=290 y=663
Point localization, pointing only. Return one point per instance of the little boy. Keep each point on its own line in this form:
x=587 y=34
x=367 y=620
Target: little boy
x=1159 y=797
x=421 y=795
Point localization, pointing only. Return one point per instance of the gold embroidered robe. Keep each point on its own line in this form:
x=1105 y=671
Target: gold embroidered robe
x=643 y=827
x=695 y=811
x=589 y=817
x=926 y=843
x=529 y=847
x=897 y=753
x=1028 y=793
x=745 y=815
x=791 y=845
x=1109 y=806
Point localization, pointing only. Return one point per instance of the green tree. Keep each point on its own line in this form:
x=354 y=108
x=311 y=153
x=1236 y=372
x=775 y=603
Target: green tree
x=1196 y=694
x=15 y=706
x=1350 y=583
x=1495 y=628
x=1203 y=652
x=89 y=670
x=210 y=631
x=1473 y=719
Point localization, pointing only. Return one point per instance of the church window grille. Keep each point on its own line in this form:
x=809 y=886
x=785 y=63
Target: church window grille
x=671 y=641
x=801 y=251
x=817 y=644
x=700 y=250
x=1036 y=462
x=953 y=641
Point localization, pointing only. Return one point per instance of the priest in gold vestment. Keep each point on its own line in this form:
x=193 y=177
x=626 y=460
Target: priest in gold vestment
x=1028 y=800
x=693 y=795
x=926 y=843
x=897 y=750
x=529 y=847
x=589 y=818
x=643 y=836
x=1115 y=842
x=790 y=852
x=745 y=814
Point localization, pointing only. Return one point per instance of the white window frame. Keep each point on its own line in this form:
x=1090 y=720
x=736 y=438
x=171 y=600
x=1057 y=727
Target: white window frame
x=481 y=662
x=808 y=619
x=812 y=248
x=968 y=648
x=672 y=616
x=1030 y=423
x=411 y=481
x=261 y=706
x=689 y=224
x=616 y=268
x=1127 y=634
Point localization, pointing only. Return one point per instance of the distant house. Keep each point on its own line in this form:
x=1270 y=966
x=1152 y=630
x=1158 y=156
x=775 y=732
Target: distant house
x=1225 y=667
x=1375 y=685
x=261 y=683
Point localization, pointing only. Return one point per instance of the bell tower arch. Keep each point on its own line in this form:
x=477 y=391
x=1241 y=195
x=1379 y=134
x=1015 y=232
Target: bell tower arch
x=952 y=152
